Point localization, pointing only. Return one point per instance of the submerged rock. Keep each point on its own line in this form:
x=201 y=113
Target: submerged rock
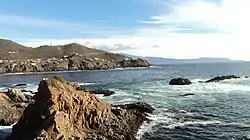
x=18 y=85
x=103 y=92
x=140 y=106
x=221 y=78
x=61 y=112
x=180 y=81
x=187 y=94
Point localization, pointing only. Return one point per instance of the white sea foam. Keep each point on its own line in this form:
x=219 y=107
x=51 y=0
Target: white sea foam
x=88 y=83
x=5 y=131
x=181 y=124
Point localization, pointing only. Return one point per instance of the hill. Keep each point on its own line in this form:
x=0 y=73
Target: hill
x=161 y=60
x=10 y=50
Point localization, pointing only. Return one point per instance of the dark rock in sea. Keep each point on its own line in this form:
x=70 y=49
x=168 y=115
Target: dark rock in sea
x=134 y=63
x=180 y=81
x=221 y=78
x=246 y=77
x=18 y=85
x=188 y=94
x=140 y=106
x=12 y=107
x=28 y=91
x=61 y=112
x=102 y=91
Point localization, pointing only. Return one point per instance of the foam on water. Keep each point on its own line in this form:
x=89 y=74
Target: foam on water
x=88 y=83
x=5 y=131
x=181 y=124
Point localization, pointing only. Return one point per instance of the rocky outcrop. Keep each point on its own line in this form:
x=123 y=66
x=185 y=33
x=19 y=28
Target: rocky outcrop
x=134 y=63
x=12 y=105
x=61 y=112
x=180 y=81
x=70 y=64
x=22 y=67
x=102 y=92
x=221 y=78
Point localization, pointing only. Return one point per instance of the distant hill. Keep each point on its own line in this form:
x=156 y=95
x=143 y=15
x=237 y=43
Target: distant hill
x=156 y=60
x=10 y=50
x=160 y=60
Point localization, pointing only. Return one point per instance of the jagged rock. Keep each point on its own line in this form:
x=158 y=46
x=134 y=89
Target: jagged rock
x=134 y=63
x=21 y=67
x=69 y=63
x=10 y=111
x=61 y=112
x=102 y=91
x=180 y=81
x=16 y=95
x=221 y=78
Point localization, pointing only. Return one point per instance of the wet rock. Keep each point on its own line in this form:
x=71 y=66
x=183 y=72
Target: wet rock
x=187 y=94
x=180 y=81
x=18 y=85
x=61 y=112
x=103 y=92
x=27 y=91
x=140 y=106
x=221 y=78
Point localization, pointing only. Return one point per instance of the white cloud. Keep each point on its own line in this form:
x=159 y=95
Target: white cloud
x=183 y=32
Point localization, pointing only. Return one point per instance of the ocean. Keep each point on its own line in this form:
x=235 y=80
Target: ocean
x=216 y=111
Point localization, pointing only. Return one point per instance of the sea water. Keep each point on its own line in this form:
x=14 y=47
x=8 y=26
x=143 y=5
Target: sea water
x=216 y=110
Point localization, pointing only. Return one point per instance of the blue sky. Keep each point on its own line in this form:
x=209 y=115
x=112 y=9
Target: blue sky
x=78 y=18
x=179 y=29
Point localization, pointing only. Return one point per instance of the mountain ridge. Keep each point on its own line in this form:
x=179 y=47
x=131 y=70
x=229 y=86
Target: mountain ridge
x=10 y=50
x=162 y=60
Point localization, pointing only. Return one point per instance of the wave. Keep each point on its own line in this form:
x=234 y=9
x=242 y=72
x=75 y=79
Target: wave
x=88 y=83
x=181 y=124
x=5 y=131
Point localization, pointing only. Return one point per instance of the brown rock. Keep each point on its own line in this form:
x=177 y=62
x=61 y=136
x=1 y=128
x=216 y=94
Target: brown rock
x=16 y=95
x=10 y=111
x=61 y=112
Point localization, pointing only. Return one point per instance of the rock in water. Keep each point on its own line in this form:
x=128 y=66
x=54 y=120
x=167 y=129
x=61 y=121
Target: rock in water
x=134 y=63
x=180 y=81
x=103 y=91
x=221 y=78
x=61 y=112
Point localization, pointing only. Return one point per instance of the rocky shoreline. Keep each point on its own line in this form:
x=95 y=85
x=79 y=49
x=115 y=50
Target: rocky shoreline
x=66 y=64
x=62 y=110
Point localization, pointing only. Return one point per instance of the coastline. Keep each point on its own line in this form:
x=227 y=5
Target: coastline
x=75 y=71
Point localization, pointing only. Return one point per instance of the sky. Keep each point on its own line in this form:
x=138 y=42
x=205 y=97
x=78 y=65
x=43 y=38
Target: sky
x=162 y=28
